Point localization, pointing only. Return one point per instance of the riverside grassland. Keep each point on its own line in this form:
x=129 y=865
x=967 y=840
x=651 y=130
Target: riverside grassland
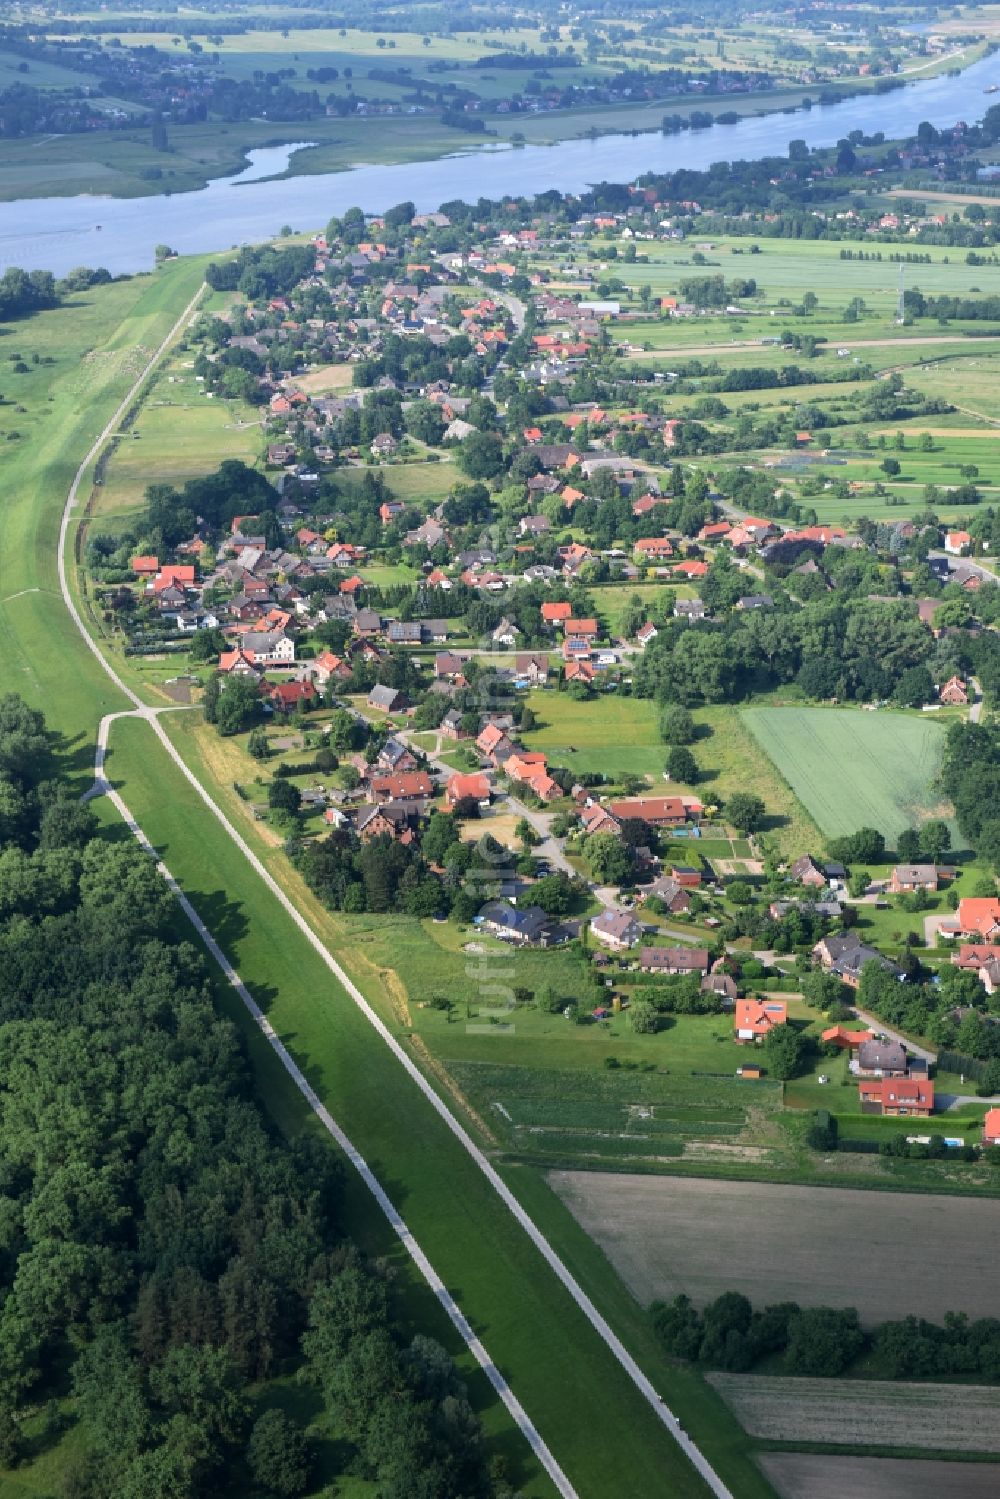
x=598 y=1426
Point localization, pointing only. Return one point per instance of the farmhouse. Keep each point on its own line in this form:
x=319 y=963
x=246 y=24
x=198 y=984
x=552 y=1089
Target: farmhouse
x=897 y=1098
x=616 y=929
x=270 y=647
x=754 y=1019
x=673 y=959
x=954 y=692
x=991 y=1127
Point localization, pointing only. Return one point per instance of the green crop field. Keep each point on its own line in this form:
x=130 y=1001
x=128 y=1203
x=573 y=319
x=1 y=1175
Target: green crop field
x=853 y=769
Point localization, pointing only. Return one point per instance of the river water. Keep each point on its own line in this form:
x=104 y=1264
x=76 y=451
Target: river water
x=58 y=234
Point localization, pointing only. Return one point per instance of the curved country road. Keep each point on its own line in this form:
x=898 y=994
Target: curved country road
x=152 y=716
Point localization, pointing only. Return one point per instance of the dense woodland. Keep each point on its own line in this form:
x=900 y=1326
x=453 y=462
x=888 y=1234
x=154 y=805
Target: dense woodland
x=163 y=1252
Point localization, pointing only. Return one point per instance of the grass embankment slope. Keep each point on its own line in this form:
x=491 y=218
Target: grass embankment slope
x=600 y=1428
x=89 y=353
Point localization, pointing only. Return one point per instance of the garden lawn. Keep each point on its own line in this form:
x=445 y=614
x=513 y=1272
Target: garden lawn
x=854 y=769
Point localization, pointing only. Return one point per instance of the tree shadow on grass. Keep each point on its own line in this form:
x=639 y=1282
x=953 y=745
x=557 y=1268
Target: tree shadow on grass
x=76 y=758
x=771 y=821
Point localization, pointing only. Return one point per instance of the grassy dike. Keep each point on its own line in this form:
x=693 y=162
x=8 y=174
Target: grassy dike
x=600 y=1429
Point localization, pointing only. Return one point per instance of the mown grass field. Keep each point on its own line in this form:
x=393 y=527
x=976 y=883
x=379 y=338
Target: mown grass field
x=854 y=769
x=666 y=1235
x=180 y=434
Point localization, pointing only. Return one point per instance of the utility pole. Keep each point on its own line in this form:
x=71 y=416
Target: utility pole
x=901 y=307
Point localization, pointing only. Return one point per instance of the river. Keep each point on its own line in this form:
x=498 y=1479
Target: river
x=58 y=234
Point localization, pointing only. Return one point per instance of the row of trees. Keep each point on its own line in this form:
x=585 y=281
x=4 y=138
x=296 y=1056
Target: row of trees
x=826 y=1341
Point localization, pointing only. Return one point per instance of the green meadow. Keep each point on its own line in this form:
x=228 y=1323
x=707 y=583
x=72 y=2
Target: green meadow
x=852 y=768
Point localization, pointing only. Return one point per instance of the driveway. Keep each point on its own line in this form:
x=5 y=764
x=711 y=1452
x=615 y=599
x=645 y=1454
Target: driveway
x=881 y=1029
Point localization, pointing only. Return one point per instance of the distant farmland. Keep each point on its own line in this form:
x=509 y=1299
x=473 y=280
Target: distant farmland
x=853 y=769
x=668 y=1234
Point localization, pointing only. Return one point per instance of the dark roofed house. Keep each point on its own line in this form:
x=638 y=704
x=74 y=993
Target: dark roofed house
x=388 y=699
x=846 y=956
x=673 y=895
x=882 y=1059
x=404 y=632
x=513 y=925
x=721 y=984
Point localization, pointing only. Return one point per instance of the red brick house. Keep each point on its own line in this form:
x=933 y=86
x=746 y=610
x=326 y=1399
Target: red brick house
x=897 y=1097
x=658 y=811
